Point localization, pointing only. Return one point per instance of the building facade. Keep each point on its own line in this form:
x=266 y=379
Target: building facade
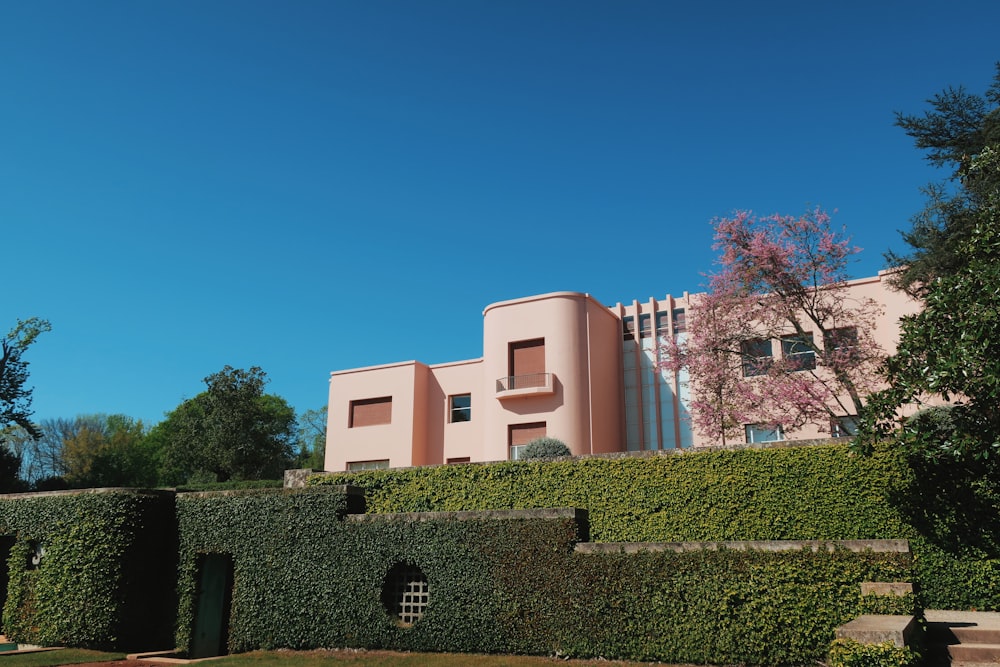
x=560 y=365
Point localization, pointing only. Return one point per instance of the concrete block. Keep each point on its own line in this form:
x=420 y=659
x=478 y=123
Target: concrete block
x=876 y=629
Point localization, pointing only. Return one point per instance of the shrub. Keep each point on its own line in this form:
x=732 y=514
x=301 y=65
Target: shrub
x=103 y=573
x=851 y=653
x=784 y=493
x=545 y=448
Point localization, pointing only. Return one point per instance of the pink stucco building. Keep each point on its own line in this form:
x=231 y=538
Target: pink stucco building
x=558 y=364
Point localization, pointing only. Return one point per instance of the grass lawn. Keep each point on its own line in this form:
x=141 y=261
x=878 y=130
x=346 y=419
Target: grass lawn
x=338 y=658
x=66 y=656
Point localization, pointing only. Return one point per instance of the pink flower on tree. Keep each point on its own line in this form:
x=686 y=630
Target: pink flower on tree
x=777 y=340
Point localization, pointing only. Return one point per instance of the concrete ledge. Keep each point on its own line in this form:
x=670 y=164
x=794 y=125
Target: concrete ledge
x=889 y=588
x=876 y=629
x=577 y=514
x=857 y=546
x=168 y=658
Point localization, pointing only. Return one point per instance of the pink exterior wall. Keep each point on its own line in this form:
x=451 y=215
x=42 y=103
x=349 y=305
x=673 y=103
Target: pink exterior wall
x=397 y=441
x=603 y=392
x=458 y=439
x=576 y=330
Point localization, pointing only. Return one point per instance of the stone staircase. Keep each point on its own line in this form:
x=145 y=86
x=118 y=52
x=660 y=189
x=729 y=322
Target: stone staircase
x=963 y=638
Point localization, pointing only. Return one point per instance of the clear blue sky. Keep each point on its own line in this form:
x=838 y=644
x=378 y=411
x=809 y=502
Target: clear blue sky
x=315 y=185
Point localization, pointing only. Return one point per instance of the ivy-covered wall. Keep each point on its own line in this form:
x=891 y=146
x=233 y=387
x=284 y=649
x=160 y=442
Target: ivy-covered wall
x=105 y=577
x=305 y=575
x=949 y=512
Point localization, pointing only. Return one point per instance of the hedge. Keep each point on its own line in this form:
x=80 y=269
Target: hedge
x=809 y=492
x=106 y=577
x=306 y=576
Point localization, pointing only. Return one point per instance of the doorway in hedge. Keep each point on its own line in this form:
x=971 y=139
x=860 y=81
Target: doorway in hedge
x=210 y=635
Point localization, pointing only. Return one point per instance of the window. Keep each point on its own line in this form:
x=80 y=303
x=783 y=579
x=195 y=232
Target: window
x=680 y=320
x=354 y=466
x=762 y=433
x=645 y=326
x=844 y=427
x=663 y=324
x=527 y=364
x=370 y=412
x=460 y=408
x=798 y=351
x=519 y=435
x=841 y=343
x=757 y=356
x=406 y=593
x=458 y=459
x=628 y=328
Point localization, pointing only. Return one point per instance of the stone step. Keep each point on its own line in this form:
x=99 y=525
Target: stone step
x=974 y=653
x=974 y=634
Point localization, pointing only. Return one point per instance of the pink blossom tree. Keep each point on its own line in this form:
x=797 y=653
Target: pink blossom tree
x=781 y=288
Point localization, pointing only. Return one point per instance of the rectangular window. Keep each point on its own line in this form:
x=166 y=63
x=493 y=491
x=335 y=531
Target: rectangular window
x=527 y=364
x=458 y=459
x=663 y=324
x=798 y=351
x=628 y=328
x=680 y=320
x=840 y=343
x=757 y=356
x=844 y=427
x=519 y=435
x=370 y=412
x=761 y=433
x=354 y=466
x=645 y=326
x=460 y=408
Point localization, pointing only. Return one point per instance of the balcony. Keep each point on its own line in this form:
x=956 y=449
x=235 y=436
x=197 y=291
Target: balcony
x=516 y=386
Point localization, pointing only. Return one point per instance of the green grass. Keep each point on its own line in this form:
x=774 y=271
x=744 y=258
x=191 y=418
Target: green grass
x=65 y=656
x=338 y=658
x=352 y=658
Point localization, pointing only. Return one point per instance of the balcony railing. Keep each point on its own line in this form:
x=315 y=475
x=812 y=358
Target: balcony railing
x=525 y=385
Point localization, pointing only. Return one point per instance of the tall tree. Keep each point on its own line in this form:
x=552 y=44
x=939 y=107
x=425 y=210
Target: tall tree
x=233 y=430
x=950 y=351
x=110 y=450
x=15 y=396
x=312 y=439
x=953 y=132
x=782 y=284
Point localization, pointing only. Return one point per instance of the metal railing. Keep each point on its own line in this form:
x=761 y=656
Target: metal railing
x=534 y=380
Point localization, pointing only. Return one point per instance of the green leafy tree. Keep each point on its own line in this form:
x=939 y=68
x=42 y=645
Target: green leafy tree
x=956 y=128
x=110 y=450
x=312 y=439
x=233 y=430
x=951 y=349
x=15 y=396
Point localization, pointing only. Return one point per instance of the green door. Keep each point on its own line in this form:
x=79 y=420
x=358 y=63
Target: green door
x=211 y=620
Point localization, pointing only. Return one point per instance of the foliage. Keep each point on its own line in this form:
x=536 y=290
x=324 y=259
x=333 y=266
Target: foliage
x=15 y=397
x=544 y=448
x=110 y=450
x=312 y=439
x=954 y=132
x=510 y=584
x=233 y=430
x=236 y=485
x=782 y=279
x=852 y=653
x=951 y=349
x=808 y=492
x=106 y=556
